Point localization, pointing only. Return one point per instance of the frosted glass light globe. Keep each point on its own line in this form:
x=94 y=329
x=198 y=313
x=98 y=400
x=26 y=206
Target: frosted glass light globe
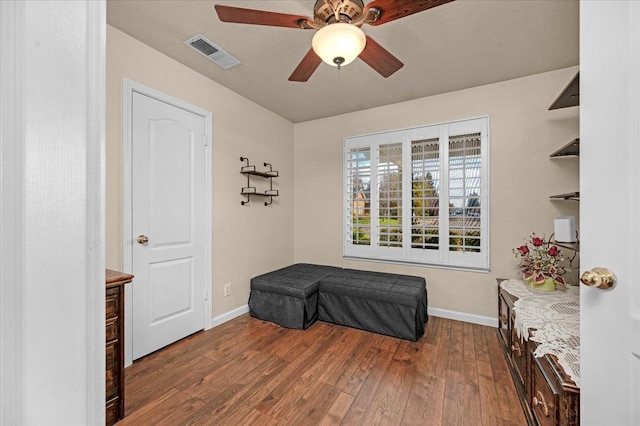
x=338 y=44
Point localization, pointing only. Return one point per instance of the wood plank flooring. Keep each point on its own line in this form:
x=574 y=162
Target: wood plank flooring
x=248 y=371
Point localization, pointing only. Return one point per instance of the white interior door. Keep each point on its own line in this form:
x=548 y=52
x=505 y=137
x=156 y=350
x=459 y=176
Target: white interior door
x=168 y=196
x=610 y=210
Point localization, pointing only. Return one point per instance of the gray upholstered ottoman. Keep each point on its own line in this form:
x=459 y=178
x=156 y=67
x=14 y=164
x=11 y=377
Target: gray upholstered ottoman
x=395 y=305
x=288 y=296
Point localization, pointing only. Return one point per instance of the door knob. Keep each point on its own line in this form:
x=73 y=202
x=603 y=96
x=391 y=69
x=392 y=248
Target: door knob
x=598 y=277
x=143 y=239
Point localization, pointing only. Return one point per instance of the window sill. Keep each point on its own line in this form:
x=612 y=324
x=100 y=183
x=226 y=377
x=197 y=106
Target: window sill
x=420 y=264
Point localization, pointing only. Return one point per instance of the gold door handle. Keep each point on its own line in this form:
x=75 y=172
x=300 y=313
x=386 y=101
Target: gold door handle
x=539 y=400
x=143 y=239
x=598 y=277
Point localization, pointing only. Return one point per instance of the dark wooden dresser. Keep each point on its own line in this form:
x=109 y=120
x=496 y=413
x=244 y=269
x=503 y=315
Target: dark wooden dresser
x=548 y=395
x=114 y=308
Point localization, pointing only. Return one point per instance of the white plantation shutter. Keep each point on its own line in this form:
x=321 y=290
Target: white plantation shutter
x=464 y=192
x=357 y=176
x=389 y=192
x=359 y=179
x=427 y=189
x=468 y=194
x=426 y=225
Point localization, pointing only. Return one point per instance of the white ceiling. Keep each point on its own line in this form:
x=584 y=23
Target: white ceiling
x=451 y=47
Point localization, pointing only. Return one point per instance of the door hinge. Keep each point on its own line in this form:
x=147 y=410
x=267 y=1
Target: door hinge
x=206 y=140
x=206 y=293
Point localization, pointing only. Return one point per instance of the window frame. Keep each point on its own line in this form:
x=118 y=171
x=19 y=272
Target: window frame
x=442 y=257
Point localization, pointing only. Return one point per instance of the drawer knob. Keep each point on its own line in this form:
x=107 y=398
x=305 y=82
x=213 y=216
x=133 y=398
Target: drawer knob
x=503 y=318
x=599 y=278
x=515 y=348
x=540 y=401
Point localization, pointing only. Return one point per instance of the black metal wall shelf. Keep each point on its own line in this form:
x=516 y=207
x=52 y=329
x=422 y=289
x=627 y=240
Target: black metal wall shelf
x=570 y=246
x=575 y=196
x=572 y=149
x=570 y=96
x=250 y=170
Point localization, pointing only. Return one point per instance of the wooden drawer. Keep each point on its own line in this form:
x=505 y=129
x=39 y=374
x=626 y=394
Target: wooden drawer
x=504 y=315
x=112 y=329
x=112 y=369
x=114 y=333
x=113 y=407
x=518 y=353
x=544 y=398
x=112 y=303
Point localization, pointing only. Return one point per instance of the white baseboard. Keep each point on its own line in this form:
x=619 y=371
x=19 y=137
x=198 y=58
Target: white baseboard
x=228 y=316
x=436 y=312
x=461 y=316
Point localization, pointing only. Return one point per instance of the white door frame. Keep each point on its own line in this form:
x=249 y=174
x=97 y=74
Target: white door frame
x=52 y=343
x=129 y=87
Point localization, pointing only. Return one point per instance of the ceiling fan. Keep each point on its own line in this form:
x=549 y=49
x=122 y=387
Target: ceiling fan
x=339 y=39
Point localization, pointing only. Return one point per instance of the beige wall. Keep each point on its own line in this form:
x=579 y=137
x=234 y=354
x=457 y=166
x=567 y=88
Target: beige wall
x=306 y=220
x=522 y=135
x=247 y=240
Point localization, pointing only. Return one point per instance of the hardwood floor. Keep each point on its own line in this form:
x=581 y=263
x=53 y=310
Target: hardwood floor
x=248 y=371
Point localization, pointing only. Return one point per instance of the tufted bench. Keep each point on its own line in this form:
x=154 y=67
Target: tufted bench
x=288 y=296
x=391 y=304
x=297 y=295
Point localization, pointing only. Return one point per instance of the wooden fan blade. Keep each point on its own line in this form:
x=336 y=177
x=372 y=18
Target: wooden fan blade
x=259 y=17
x=379 y=58
x=390 y=10
x=306 y=67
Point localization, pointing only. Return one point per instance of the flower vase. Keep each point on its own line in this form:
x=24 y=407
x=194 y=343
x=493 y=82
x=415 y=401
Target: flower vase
x=549 y=284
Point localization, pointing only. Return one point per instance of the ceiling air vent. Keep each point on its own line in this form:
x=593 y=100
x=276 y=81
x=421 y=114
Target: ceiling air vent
x=211 y=51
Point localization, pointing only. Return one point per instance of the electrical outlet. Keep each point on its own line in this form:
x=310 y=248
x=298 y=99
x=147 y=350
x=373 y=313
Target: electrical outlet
x=227 y=289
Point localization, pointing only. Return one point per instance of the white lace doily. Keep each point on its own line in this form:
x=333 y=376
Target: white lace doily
x=519 y=289
x=552 y=319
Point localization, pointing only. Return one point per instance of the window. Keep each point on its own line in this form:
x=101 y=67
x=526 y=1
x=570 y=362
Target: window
x=419 y=195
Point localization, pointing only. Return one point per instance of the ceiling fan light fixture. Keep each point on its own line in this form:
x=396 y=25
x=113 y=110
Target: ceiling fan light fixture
x=339 y=44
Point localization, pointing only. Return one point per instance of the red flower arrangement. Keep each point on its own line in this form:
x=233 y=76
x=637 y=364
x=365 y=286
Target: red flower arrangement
x=539 y=260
